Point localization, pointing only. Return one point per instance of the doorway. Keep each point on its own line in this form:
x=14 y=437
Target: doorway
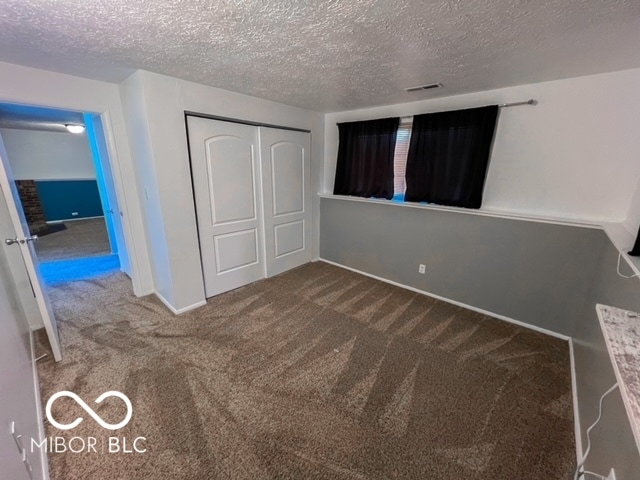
x=60 y=164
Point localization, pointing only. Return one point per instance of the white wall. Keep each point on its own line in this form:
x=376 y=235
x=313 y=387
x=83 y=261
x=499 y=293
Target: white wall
x=30 y=86
x=160 y=144
x=40 y=155
x=135 y=111
x=576 y=155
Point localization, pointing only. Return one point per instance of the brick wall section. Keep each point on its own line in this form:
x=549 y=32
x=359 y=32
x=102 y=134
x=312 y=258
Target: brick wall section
x=32 y=207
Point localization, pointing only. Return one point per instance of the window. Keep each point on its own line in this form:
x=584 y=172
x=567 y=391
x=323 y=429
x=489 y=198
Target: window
x=449 y=155
x=400 y=158
x=439 y=158
x=365 y=158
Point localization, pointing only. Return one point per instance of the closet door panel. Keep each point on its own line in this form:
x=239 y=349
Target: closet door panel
x=287 y=178
x=285 y=162
x=227 y=192
x=236 y=250
x=231 y=176
x=288 y=238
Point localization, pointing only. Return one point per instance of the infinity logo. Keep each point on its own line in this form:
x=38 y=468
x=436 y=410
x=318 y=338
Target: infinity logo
x=89 y=410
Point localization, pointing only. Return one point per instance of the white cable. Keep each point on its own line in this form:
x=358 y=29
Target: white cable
x=620 y=274
x=586 y=452
x=597 y=475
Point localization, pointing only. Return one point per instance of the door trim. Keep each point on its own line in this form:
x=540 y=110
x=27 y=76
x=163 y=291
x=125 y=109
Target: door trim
x=237 y=120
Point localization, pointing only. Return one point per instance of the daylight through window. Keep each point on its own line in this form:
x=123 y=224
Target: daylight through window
x=400 y=158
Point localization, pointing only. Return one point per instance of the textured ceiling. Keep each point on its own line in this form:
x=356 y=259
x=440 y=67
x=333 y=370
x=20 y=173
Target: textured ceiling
x=326 y=55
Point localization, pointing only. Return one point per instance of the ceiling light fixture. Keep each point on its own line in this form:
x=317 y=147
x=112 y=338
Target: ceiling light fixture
x=74 y=128
x=423 y=87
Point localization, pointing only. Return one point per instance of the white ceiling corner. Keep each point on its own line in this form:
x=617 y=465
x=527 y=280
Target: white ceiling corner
x=326 y=55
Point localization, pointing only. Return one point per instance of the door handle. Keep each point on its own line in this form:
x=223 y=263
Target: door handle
x=11 y=241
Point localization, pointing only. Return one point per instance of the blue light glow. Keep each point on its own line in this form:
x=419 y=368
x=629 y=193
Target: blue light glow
x=63 y=271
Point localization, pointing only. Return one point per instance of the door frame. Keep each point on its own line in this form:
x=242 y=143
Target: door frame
x=105 y=193
x=113 y=215
x=29 y=86
x=188 y=113
x=135 y=250
x=141 y=279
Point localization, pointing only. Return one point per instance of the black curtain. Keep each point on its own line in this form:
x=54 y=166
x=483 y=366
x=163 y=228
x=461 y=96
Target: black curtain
x=635 y=251
x=365 y=158
x=449 y=155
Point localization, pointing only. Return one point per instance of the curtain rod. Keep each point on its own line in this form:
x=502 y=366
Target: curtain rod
x=517 y=104
x=531 y=102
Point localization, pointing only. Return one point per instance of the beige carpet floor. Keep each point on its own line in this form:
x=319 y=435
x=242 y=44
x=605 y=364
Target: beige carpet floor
x=319 y=373
x=81 y=238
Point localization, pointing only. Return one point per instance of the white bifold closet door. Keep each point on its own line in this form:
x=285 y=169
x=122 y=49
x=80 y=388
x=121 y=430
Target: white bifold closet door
x=286 y=184
x=252 y=194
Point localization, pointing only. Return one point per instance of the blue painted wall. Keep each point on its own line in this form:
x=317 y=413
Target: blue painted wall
x=61 y=198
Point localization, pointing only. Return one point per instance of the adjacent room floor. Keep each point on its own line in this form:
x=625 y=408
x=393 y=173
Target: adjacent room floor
x=76 y=250
x=80 y=238
x=319 y=373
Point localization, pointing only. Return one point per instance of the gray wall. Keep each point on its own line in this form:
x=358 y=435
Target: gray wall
x=533 y=272
x=546 y=275
x=612 y=439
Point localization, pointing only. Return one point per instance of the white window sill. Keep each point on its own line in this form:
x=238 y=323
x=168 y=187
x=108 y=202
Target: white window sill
x=467 y=211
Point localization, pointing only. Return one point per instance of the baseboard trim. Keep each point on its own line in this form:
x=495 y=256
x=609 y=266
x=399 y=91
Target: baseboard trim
x=576 y=411
x=454 y=302
x=179 y=311
x=73 y=219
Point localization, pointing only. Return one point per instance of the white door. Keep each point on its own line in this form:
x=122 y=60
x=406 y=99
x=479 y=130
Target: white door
x=20 y=415
x=18 y=237
x=286 y=183
x=106 y=186
x=226 y=184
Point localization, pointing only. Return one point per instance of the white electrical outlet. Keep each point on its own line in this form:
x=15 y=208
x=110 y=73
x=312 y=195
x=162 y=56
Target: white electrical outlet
x=422 y=269
x=612 y=475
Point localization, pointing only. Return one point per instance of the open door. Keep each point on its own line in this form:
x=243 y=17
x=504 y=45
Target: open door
x=16 y=235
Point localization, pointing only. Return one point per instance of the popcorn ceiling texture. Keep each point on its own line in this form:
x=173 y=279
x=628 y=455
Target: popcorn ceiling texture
x=326 y=55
